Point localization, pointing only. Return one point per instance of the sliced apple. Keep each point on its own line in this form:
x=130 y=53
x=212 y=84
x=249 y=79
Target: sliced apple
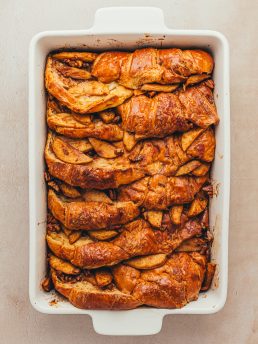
x=203 y=147
x=159 y=88
x=69 y=191
x=83 y=119
x=78 y=55
x=65 y=120
x=138 y=92
x=105 y=149
x=53 y=185
x=72 y=72
x=202 y=170
x=74 y=236
x=107 y=116
x=135 y=155
x=103 y=277
x=147 y=262
x=154 y=217
x=83 y=146
x=91 y=195
x=63 y=266
x=67 y=153
x=129 y=141
x=197 y=206
x=188 y=167
x=195 y=79
x=193 y=245
x=175 y=214
x=189 y=137
x=103 y=234
x=89 y=88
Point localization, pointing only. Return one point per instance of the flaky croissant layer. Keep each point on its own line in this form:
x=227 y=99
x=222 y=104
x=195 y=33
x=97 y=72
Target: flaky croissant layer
x=166 y=113
x=136 y=239
x=172 y=285
x=165 y=66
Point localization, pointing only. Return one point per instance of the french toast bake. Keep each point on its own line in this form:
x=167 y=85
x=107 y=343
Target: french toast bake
x=130 y=145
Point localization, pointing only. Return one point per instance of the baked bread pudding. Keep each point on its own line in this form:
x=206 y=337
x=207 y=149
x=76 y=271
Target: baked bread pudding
x=128 y=154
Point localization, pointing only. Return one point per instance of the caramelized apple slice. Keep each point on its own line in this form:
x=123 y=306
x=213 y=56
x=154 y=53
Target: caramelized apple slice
x=203 y=147
x=159 y=88
x=72 y=72
x=92 y=195
x=202 y=170
x=103 y=277
x=69 y=191
x=175 y=214
x=147 y=262
x=197 y=206
x=73 y=55
x=189 y=137
x=74 y=236
x=188 y=167
x=83 y=119
x=103 y=234
x=193 y=245
x=195 y=79
x=89 y=88
x=105 y=149
x=83 y=146
x=154 y=217
x=107 y=116
x=129 y=141
x=63 y=266
x=67 y=153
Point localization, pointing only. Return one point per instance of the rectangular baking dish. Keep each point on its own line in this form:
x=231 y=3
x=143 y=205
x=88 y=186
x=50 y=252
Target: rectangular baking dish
x=127 y=28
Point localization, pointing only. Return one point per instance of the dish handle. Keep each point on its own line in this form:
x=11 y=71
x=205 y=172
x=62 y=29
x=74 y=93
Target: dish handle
x=128 y=323
x=129 y=19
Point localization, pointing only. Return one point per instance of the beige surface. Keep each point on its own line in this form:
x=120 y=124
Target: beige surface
x=238 y=321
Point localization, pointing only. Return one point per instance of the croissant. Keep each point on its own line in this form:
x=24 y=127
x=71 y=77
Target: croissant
x=75 y=126
x=143 y=66
x=172 y=285
x=148 y=157
x=98 y=174
x=136 y=239
x=90 y=215
x=166 y=113
x=166 y=156
x=78 y=94
x=160 y=192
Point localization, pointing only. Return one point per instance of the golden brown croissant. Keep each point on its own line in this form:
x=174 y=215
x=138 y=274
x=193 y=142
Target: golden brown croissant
x=148 y=157
x=165 y=156
x=78 y=94
x=136 y=239
x=164 y=66
x=76 y=126
x=90 y=215
x=172 y=285
x=160 y=192
x=166 y=113
x=99 y=174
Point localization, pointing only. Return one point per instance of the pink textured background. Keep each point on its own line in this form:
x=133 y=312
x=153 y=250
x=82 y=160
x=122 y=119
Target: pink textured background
x=238 y=321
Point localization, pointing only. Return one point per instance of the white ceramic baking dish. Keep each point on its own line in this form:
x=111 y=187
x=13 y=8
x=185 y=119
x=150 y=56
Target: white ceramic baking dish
x=127 y=28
